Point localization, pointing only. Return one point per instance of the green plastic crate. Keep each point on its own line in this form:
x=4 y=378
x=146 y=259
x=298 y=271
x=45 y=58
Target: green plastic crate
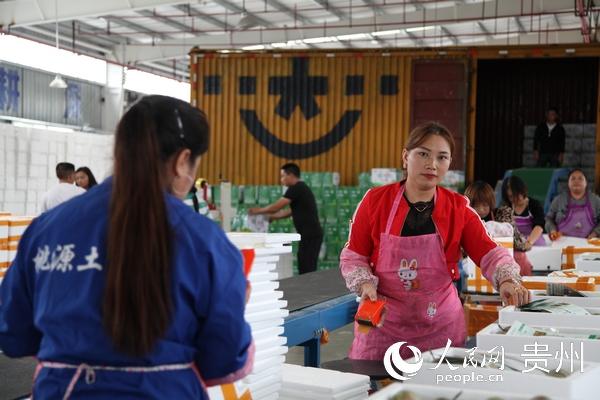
x=275 y=193
x=263 y=195
x=343 y=196
x=250 y=194
x=331 y=231
x=364 y=179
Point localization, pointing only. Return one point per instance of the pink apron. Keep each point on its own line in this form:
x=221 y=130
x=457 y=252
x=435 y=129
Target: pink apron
x=423 y=307
x=579 y=220
x=525 y=226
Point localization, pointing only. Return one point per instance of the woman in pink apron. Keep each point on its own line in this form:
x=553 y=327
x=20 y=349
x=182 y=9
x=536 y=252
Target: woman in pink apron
x=574 y=213
x=405 y=244
x=528 y=215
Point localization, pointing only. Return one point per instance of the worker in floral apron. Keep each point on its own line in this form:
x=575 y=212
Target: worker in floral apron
x=125 y=292
x=404 y=246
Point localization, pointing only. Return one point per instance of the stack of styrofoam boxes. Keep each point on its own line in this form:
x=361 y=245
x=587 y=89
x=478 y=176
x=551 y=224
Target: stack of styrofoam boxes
x=4 y=263
x=580 y=148
x=322 y=384
x=11 y=230
x=265 y=312
x=29 y=161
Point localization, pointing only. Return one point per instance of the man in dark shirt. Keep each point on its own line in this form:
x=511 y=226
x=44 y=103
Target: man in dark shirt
x=304 y=214
x=549 y=141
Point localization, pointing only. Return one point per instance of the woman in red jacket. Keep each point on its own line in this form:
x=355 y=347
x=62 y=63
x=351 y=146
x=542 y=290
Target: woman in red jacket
x=405 y=243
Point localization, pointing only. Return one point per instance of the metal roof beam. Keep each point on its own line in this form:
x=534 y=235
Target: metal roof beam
x=136 y=27
x=333 y=10
x=239 y=10
x=166 y=20
x=289 y=12
x=192 y=12
x=32 y=12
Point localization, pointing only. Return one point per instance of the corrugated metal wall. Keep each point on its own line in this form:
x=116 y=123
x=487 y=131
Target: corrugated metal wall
x=38 y=101
x=342 y=113
x=515 y=93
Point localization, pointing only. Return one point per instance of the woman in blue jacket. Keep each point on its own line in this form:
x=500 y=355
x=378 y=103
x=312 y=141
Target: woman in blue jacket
x=125 y=291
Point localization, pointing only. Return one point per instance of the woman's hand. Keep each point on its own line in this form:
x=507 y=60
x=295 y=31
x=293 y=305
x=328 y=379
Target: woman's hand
x=513 y=294
x=368 y=290
x=528 y=245
x=554 y=235
x=248 y=291
x=592 y=235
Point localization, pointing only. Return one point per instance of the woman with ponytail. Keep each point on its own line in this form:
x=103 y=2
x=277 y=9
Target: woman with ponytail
x=126 y=292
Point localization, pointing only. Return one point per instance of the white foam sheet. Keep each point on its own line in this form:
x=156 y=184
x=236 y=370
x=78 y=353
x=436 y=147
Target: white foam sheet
x=252 y=240
x=257 y=307
x=320 y=381
x=361 y=392
x=434 y=392
x=270 y=342
x=258 y=325
x=262 y=277
x=264 y=296
x=268 y=363
x=266 y=315
x=265 y=392
x=262 y=287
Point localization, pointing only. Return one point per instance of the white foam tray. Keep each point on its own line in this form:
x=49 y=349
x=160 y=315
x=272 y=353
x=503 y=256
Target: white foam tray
x=577 y=386
x=257 y=307
x=492 y=336
x=508 y=315
x=268 y=363
x=431 y=392
x=249 y=240
x=266 y=315
x=258 y=325
x=264 y=296
x=592 y=299
x=320 y=382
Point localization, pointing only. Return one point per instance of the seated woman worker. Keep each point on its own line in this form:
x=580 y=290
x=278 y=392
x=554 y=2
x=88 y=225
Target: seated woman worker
x=405 y=243
x=575 y=212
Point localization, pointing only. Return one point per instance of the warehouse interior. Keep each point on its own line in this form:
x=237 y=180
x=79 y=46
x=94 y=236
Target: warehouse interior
x=314 y=108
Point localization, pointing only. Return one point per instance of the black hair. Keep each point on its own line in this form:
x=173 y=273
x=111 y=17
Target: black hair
x=137 y=297
x=516 y=186
x=91 y=178
x=291 y=169
x=64 y=170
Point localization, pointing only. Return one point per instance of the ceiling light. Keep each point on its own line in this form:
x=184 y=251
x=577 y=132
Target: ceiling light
x=254 y=47
x=58 y=83
x=387 y=33
x=354 y=36
x=320 y=39
x=420 y=28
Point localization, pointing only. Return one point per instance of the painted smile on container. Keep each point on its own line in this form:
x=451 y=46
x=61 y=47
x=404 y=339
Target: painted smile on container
x=296 y=90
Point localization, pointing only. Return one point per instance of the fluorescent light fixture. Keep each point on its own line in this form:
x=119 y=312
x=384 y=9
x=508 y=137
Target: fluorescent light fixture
x=387 y=33
x=355 y=36
x=503 y=52
x=278 y=45
x=324 y=39
x=254 y=47
x=570 y=51
x=58 y=83
x=420 y=28
x=294 y=43
x=225 y=51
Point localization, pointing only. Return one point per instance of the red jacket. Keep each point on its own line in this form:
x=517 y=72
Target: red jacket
x=456 y=222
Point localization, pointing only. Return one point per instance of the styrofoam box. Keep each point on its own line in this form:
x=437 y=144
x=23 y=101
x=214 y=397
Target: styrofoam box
x=492 y=336
x=320 y=381
x=435 y=392
x=592 y=299
x=577 y=386
x=255 y=307
x=258 y=325
x=255 y=240
x=360 y=392
x=266 y=315
x=268 y=363
x=545 y=258
x=509 y=314
x=589 y=262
